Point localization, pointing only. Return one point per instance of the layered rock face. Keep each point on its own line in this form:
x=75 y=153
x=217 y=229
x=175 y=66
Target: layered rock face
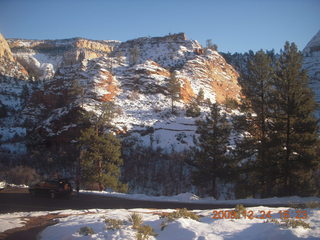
x=311 y=62
x=5 y=51
x=13 y=85
x=9 y=67
x=42 y=58
x=133 y=74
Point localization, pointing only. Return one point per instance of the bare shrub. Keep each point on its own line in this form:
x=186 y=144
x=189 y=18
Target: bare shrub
x=179 y=213
x=240 y=210
x=290 y=223
x=113 y=224
x=144 y=232
x=22 y=175
x=136 y=220
x=85 y=231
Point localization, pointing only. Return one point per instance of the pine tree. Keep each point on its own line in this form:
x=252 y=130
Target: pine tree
x=200 y=97
x=193 y=109
x=134 y=55
x=295 y=128
x=76 y=91
x=211 y=157
x=100 y=159
x=174 y=89
x=103 y=116
x=3 y=110
x=100 y=152
x=25 y=92
x=210 y=45
x=257 y=86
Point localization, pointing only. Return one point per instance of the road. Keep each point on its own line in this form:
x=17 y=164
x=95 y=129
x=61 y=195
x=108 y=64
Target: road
x=17 y=201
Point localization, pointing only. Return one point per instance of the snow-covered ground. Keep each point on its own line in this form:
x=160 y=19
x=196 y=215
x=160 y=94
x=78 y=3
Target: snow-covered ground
x=183 y=228
x=191 y=198
x=2 y=185
x=209 y=227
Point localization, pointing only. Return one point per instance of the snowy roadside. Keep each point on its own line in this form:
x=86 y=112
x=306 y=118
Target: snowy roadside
x=206 y=228
x=191 y=198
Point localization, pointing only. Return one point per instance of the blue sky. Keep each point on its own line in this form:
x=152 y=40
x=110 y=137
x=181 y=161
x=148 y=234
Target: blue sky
x=234 y=25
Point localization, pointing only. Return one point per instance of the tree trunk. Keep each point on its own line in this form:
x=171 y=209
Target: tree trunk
x=100 y=175
x=287 y=159
x=172 y=105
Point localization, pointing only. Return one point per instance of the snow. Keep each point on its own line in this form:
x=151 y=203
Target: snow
x=2 y=185
x=183 y=228
x=10 y=220
x=15 y=148
x=9 y=133
x=191 y=198
x=46 y=64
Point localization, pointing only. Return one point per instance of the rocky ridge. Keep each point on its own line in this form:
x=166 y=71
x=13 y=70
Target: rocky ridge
x=133 y=74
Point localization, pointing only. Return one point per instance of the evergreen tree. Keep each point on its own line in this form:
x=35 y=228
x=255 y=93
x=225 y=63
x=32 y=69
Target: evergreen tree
x=174 y=89
x=3 y=110
x=210 y=45
x=200 y=97
x=134 y=55
x=76 y=91
x=102 y=117
x=25 y=92
x=193 y=109
x=100 y=153
x=100 y=159
x=257 y=86
x=294 y=126
x=211 y=157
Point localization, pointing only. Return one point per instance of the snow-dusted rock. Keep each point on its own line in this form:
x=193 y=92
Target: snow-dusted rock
x=311 y=63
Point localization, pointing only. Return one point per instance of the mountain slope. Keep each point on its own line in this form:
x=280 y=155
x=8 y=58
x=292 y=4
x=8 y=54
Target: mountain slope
x=133 y=74
x=311 y=62
x=62 y=77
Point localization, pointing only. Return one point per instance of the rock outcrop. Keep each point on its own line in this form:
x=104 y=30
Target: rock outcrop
x=5 y=51
x=42 y=58
x=9 y=67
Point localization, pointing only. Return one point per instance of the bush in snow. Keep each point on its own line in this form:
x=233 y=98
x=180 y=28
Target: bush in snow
x=231 y=103
x=296 y=223
x=180 y=213
x=113 y=224
x=290 y=223
x=86 y=231
x=136 y=220
x=240 y=210
x=144 y=232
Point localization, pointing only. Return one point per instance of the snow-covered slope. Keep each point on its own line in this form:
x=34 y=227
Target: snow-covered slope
x=133 y=74
x=312 y=64
x=13 y=87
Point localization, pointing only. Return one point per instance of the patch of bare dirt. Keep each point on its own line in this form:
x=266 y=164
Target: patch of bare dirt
x=33 y=226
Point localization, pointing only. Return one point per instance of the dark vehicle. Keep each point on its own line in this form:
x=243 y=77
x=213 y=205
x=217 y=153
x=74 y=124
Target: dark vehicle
x=53 y=188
